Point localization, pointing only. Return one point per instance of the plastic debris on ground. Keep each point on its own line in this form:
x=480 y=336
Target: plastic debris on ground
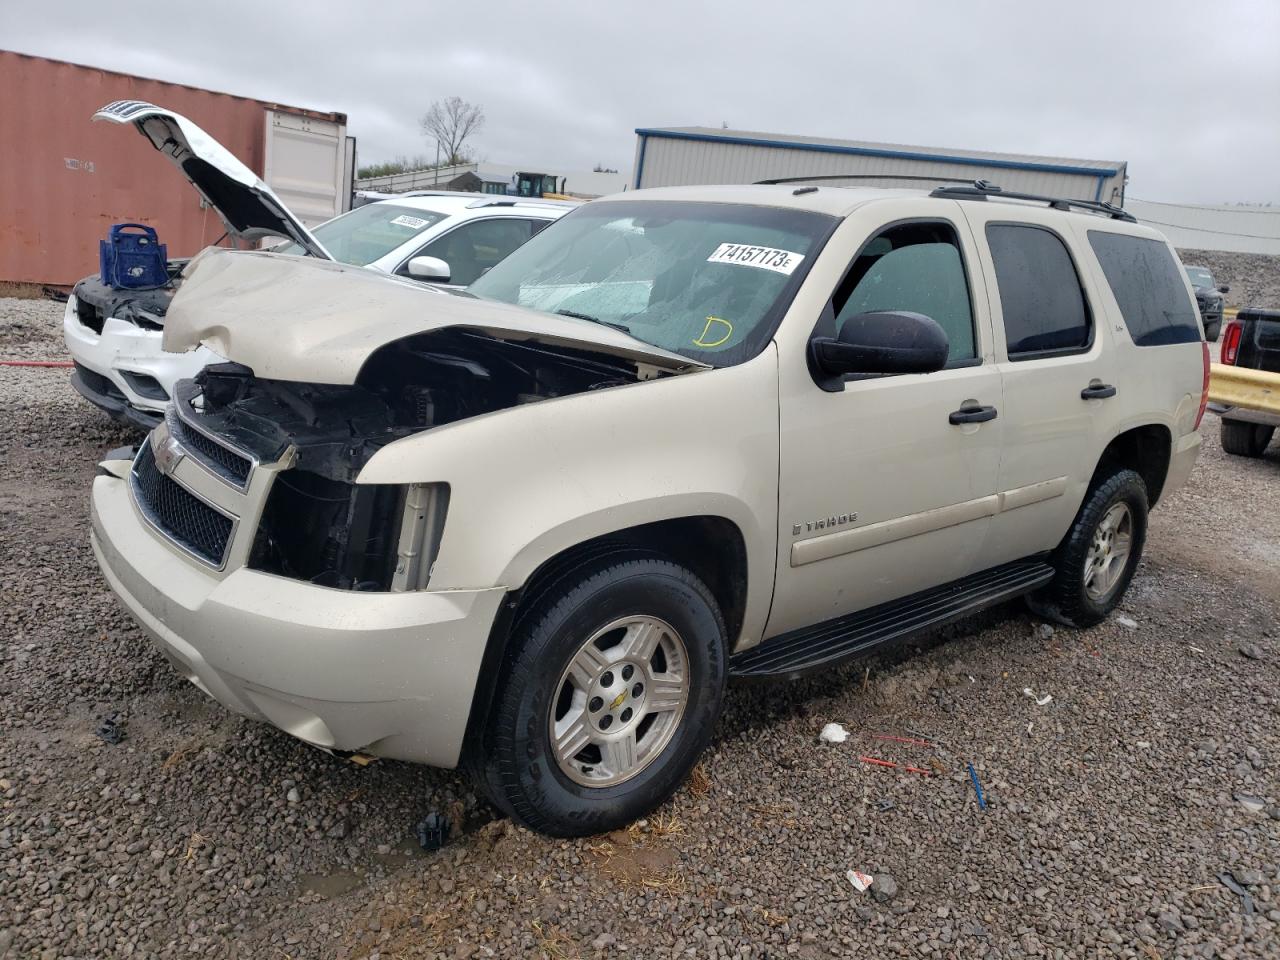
x=876 y=761
x=1250 y=803
x=977 y=787
x=1040 y=701
x=833 y=733
x=433 y=832
x=1127 y=622
x=885 y=804
x=111 y=729
x=1246 y=899
x=861 y=881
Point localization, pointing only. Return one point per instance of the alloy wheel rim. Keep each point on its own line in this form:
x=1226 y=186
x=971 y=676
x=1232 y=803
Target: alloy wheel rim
x=619 y=701
x=1109 y=552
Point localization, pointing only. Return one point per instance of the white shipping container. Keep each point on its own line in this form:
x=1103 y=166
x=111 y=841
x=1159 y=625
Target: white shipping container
x=309 y=165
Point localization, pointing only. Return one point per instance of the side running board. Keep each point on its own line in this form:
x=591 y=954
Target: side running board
x=802 y=651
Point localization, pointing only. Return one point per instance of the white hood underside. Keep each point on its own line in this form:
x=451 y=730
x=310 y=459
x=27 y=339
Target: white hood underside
x=313 y=321
x=249 y=208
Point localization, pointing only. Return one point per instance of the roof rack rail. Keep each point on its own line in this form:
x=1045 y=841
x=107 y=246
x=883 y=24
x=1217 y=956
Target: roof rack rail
x=982 y=189
x=860 y=176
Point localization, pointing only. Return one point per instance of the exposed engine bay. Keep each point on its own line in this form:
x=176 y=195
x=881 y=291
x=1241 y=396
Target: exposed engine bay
x=404 y=387
x=318 y=524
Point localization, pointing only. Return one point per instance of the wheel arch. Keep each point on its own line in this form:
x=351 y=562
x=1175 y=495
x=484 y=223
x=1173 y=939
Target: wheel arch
x=1145 y=449
x=713 y=547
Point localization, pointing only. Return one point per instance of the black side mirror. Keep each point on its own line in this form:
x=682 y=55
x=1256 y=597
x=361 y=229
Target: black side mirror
x=1224 y=289
x=882 y=343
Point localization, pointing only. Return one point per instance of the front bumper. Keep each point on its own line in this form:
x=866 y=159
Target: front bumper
x=120 y=358
x=388 y=674
x=106 y=396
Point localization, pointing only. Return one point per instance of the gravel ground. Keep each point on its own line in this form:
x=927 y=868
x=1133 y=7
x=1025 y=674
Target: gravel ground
x=1112 y=810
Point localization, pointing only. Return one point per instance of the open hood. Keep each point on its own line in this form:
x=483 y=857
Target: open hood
x=304 y=320
x=248 y=207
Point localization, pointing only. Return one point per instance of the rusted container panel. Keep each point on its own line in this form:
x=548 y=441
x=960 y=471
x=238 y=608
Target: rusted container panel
x=65 y=180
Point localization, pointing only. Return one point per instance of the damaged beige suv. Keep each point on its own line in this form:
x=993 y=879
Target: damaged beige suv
x=680 y=436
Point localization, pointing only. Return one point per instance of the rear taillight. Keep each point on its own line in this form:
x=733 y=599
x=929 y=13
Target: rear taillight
x=1204 y=387
x=1231 y=341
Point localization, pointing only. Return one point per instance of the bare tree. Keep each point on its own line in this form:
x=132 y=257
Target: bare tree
x=450 y=122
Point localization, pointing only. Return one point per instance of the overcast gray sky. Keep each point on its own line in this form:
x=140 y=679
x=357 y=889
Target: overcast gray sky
x=1188 y=93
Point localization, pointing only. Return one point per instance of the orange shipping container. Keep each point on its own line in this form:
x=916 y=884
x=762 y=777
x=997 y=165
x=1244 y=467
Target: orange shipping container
x=65 y=180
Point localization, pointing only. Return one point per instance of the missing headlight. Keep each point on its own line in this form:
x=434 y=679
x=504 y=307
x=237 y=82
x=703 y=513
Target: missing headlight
x=329 y=532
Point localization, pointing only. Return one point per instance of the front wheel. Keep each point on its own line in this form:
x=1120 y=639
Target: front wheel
x=1096 y=560
x=612 y=694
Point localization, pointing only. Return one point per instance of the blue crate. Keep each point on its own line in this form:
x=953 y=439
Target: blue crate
x=132 y=259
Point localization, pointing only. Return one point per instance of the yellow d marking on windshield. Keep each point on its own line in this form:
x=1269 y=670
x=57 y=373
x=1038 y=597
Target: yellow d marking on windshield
x=702 y=340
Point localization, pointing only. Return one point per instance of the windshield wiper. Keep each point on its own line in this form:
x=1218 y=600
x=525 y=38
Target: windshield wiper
x=586 y=316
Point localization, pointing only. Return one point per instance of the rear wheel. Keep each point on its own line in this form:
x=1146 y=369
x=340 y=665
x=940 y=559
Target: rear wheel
x=1097 y=559
x=1245 y=439
x=611 y=696
x=1211 y=330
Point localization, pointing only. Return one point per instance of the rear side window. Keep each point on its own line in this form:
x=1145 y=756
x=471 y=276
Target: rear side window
x=1148 y=288
x=1044 y=308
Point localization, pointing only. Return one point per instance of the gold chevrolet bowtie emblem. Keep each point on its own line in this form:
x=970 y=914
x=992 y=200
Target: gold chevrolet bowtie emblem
x=617 y=700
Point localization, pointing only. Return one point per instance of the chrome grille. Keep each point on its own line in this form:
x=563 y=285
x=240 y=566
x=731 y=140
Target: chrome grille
x=222 y=461
x=179 y=514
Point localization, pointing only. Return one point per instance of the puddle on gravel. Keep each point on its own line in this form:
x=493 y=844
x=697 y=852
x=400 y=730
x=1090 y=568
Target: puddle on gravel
x=334 y=884
x=339 y=882
x=406 y=850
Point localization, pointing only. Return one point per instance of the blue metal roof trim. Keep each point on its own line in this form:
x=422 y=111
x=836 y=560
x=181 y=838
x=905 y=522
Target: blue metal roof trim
x=644 y=140
x=646 y=132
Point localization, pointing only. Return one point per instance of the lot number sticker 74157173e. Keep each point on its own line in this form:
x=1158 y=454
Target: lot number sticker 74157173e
x=765 y=258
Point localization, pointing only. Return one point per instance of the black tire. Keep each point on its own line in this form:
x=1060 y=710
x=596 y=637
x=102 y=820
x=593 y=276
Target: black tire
x=1066 y=598
x=514 y=763
x=1245 y=439
x=1212 y=330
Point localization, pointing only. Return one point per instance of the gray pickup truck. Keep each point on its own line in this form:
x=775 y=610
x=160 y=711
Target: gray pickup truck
x=1252 y=340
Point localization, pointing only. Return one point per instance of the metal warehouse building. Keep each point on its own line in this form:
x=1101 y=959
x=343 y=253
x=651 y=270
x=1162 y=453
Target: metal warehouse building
x=677 y=156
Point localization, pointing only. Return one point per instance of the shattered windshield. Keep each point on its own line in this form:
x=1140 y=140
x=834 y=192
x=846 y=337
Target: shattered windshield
x=368 y=233
x=706 y=280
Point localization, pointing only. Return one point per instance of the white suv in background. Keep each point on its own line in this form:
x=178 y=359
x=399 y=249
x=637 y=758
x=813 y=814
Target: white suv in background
x=443 y=238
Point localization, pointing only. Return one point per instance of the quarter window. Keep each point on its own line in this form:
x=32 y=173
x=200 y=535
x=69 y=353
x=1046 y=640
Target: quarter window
x=914 y=267
x=1040 y=293
x=1148 y=288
